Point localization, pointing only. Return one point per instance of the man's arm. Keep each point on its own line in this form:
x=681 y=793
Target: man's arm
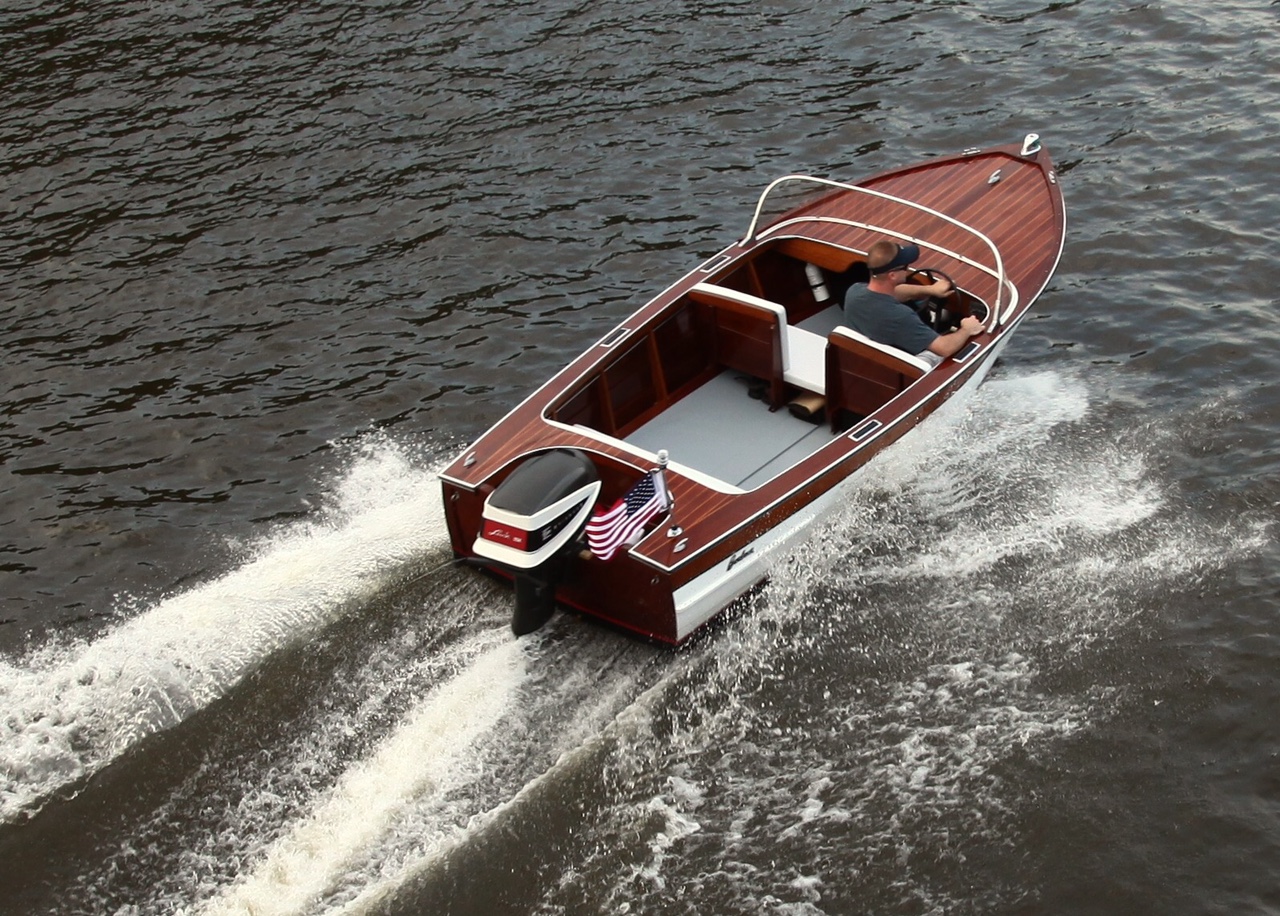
x=947 y=344
x=905 y=292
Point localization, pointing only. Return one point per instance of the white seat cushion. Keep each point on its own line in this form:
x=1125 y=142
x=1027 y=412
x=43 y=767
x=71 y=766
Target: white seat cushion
x=909 y=358
x=806 y=355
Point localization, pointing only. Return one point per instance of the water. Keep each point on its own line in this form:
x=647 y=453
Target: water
x=267 y=269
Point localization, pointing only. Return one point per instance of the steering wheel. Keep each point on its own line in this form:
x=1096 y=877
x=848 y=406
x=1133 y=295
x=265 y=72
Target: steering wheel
x=939 y=317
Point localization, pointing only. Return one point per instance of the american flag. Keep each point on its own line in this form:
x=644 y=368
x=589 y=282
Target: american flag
x=612 y=529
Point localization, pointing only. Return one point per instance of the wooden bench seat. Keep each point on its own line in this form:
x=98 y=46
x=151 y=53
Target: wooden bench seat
x=751 y=335
x=863 y=375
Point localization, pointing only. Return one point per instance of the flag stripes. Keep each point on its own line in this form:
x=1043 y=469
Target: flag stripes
x=614 y=528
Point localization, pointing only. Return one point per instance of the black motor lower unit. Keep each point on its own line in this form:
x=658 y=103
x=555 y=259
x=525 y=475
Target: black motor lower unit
x=535 y=599
x=531 y=522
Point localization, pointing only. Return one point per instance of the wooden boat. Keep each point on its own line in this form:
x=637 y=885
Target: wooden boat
x=686 y=419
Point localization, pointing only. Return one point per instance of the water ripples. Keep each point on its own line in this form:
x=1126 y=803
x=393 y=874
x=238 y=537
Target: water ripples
x=238 y=238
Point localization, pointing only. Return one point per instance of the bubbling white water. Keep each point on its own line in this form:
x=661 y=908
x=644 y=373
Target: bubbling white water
x=429 y=754
x=925 y=743
x=855 y=714
x=69 y=710
x=859 y=719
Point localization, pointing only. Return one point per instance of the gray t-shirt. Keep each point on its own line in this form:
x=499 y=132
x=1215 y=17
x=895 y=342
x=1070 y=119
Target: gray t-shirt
x=886 y=320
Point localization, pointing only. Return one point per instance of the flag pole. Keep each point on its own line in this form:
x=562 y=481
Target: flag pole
x=674 y=530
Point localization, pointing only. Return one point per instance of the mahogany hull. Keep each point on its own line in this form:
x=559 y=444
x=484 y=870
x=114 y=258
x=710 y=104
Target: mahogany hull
x=979 y=216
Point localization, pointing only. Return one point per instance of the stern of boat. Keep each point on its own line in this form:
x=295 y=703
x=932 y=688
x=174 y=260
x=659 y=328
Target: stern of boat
x=528 y=524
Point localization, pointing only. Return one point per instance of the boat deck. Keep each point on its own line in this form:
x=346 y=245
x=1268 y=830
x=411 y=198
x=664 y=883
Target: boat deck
x=721 y=431
x=678 y=374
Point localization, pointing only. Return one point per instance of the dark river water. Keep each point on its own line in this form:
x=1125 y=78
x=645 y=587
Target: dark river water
x=267 y=267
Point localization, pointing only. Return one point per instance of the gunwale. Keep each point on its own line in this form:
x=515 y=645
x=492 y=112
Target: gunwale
x=1022 y=213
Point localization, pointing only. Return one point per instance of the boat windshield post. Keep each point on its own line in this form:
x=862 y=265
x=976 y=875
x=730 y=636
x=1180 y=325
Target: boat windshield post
x=1001 y=314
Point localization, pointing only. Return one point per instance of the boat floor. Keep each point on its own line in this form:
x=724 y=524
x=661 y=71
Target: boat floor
x=721 y=431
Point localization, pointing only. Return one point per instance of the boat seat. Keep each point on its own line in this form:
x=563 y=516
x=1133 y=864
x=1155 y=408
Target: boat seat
x=752 y=336
x=805 y=359
x=863 y=375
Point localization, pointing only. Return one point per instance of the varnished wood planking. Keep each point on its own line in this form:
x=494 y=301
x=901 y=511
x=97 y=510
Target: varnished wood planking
x=1027 y=242
x=1021 y=214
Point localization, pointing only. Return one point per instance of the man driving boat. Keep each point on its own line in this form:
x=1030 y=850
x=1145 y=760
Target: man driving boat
x=879 y=308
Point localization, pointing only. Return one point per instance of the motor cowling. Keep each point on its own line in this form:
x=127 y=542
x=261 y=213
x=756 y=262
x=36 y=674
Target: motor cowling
x=531 y=521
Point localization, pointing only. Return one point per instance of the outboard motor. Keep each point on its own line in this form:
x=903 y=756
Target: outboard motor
x=530 y=524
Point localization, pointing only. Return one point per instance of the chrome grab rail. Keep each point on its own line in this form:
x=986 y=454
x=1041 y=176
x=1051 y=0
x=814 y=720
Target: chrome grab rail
x=1001 y=279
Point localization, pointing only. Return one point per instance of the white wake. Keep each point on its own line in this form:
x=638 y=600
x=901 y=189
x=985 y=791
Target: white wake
x=70 y=710
x=430 y=753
